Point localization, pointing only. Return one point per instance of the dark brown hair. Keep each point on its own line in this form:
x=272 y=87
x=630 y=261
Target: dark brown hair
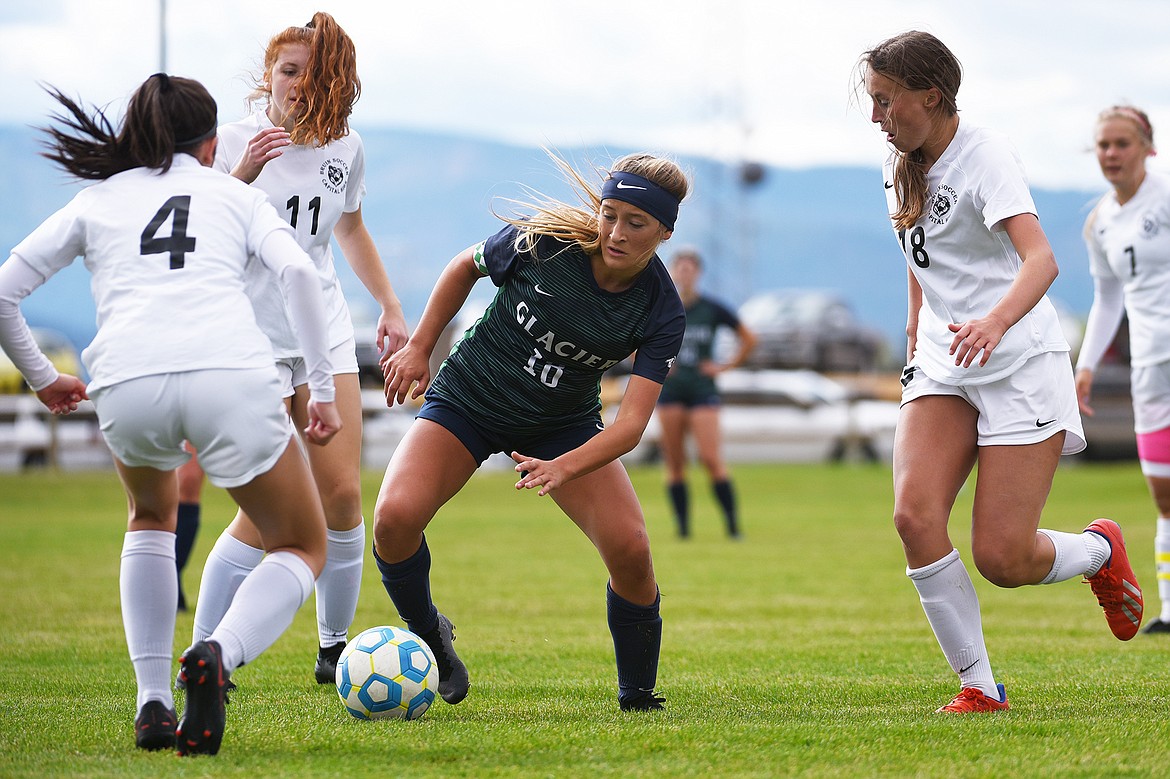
x=166 y=114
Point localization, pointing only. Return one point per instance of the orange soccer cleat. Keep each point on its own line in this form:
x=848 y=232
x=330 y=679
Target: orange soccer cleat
x=972 y=700
x=1115 y=585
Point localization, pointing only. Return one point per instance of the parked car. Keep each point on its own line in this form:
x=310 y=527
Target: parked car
x=809 y=329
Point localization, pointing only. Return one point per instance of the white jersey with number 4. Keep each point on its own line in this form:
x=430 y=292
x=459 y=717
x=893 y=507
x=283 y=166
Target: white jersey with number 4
x=965 y=262
x=1131 y=243
x=310 y=187
x=167 y=254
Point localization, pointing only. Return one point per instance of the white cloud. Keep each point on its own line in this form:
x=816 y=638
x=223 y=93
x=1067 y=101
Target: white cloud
x=729 y=78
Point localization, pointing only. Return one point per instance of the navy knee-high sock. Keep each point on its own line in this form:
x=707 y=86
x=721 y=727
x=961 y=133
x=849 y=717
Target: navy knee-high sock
x=408 y=584
x=726 y=497
x=185 y=531
x=681 y=503
x=637 y=639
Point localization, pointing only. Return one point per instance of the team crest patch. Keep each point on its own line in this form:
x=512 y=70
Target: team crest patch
x=942 y=204
x=334 y=172
x=1149 y=224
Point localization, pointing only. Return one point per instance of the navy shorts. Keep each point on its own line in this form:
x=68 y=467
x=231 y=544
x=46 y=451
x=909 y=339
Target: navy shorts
x=688 y=396
x=483 y=441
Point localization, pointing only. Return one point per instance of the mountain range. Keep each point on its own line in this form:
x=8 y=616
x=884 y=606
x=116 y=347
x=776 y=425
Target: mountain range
x=430 y=195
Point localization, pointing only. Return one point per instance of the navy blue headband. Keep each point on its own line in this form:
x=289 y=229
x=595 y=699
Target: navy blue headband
x=643 y=193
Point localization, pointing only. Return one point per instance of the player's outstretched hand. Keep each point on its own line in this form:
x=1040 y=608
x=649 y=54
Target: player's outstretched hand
x=406 y=368
x=63 y=395
x=324 y=422
x=268 y=144
x=545 y=474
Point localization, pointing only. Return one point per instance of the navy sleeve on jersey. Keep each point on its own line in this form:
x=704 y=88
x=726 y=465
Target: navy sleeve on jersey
x=665 y=327
x=501 y=257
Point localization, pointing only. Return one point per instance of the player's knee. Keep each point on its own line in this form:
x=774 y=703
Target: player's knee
x=632 y=557
x=1002 y=566
x=387 y=514
x=914 y=525
x=343 y=505
x=396 y=519
x=712 y=464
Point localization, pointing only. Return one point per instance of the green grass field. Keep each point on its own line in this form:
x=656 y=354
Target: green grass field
x=801 y=651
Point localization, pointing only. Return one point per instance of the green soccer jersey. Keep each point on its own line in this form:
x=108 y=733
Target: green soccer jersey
x=534 y=360
x=704 y=318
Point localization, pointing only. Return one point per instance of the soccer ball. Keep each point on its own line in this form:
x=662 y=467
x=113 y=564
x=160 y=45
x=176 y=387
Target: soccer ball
x=387 y=672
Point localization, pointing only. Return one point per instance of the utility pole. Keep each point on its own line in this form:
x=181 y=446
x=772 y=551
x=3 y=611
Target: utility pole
x=162 y=36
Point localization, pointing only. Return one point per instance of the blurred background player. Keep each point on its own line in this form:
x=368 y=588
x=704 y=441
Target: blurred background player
x=988 y=378
x=298 y=148
x=579 y=290
x=178 y=357
x=1128 y=238
x=187 y=522
x=689 y=402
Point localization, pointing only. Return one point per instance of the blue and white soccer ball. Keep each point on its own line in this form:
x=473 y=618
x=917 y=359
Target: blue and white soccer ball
x=387 y=672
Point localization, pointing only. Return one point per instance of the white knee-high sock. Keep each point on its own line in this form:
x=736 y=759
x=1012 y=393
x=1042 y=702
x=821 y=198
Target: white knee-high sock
x=263 y=608
x=339 y=584
x=228 y=564
x=1162 y=564
x=1077 y=554
x=149 y=592
x=952 y=608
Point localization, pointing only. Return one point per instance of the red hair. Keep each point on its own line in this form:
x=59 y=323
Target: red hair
x=330 y=85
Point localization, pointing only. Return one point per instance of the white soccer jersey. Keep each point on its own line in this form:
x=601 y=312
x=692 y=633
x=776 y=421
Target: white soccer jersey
x=964 y=264
x=311 y=188
x=1131 y=244
x=167 y=254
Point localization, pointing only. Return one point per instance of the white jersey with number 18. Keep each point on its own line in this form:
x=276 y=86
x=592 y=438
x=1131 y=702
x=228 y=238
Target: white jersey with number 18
x=963 y=259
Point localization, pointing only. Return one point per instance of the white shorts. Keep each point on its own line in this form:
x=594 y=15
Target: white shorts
x=293 y=372
x=1150 y=388
x=1029 y=406
x=235 y=419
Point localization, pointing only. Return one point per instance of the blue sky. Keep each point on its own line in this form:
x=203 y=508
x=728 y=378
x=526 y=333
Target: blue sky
x=733 y=79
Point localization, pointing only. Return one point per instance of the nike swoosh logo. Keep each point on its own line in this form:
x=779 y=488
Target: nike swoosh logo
x=600 y=426
x=541 y=291
x=889 y=185
x=968 y=668
x=622 y=185
x=1044 y=424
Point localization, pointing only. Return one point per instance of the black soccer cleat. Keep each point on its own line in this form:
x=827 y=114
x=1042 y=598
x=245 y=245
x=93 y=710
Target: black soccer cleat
x=181 y=684
x=200 y=730
x=453 y=678
x=642 y=700
x=326 y=668
x=1158 y=625
x=154 y=727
